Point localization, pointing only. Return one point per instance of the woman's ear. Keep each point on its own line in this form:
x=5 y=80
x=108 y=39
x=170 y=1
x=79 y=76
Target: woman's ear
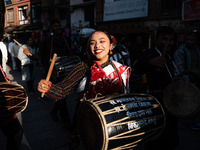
x=111 y=46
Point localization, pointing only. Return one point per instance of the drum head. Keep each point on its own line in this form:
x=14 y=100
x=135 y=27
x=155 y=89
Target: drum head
x=182 y=99
x=13 y=98
x=90 y=126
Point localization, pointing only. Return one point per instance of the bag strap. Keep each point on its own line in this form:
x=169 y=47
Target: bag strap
x=88 y=75
x=4 y=75
x=119 y=76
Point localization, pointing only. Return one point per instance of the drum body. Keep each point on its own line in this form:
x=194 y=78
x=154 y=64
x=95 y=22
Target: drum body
x=13 y=99
x=120 y=121
x=63 y=66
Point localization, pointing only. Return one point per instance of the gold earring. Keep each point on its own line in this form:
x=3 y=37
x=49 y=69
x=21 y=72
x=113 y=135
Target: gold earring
x=110 y=52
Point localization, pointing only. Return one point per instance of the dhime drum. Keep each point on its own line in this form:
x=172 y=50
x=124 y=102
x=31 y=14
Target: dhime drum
x=63 y=65
x=13 y=98
x=119 y=121
x=182 y=98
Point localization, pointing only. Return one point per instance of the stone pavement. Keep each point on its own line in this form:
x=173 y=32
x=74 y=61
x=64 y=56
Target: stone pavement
x=42 y=133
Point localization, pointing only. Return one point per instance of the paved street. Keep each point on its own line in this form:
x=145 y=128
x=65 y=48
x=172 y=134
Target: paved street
x=42 y=133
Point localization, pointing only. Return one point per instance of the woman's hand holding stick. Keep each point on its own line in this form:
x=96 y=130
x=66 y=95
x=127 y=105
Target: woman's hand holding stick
x=50 y=71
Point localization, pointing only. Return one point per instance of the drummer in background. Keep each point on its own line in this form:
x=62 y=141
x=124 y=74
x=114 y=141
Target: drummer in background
x=95 y=75
x=157 y=63
x=28 y=57
x=10 y=125
x=187 y=58
x=59 y=44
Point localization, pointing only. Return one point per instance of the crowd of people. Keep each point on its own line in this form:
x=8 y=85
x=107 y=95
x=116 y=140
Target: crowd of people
x=108 y=64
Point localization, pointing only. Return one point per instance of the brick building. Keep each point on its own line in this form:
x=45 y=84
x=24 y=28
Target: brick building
x=22 y=16
x=114 y=16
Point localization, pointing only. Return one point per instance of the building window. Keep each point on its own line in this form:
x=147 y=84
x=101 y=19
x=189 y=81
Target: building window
x=36 y=13
x=7 y=2
x=10 y=15
x=23 y=15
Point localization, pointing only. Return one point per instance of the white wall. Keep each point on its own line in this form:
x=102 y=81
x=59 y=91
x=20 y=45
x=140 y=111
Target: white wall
x=77 y=15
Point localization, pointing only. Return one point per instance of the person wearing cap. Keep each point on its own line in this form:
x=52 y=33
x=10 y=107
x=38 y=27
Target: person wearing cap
x=59 y=44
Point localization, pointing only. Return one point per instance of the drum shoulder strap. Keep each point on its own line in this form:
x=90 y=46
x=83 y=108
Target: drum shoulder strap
x=88 y=76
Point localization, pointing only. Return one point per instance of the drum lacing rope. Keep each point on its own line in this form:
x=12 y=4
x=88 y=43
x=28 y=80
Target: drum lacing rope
x=12 y=97
x=98 y=94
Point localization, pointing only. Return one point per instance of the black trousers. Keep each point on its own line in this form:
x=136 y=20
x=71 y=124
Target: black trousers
x=14 y=133
x=61 y=106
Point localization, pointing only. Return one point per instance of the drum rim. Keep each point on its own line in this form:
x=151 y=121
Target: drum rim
x=22 y=88
x=101 y=119
x=103 y=125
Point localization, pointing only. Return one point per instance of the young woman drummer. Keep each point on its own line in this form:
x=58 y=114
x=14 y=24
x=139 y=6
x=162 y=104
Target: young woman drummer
x=96 y=75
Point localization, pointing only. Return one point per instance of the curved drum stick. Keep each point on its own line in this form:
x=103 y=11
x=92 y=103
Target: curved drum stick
x=18 y=43
x=50 y=70
x=21 y=46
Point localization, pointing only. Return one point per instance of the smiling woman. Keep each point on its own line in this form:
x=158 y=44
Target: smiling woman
x=100 y=46
x=97 y=70
x=96 y=75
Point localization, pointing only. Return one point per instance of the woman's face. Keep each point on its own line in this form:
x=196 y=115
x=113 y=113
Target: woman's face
x=100 y=46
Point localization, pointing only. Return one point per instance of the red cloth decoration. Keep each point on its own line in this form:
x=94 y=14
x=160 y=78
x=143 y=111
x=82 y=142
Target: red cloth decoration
x=100 y=83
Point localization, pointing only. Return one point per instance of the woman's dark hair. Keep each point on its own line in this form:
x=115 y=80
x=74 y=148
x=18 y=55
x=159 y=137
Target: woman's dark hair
x=88 y=43
x=88 y=54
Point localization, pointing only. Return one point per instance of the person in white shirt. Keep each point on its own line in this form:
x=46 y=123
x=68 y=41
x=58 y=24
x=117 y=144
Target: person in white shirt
x=4 y=54
x=12 y=55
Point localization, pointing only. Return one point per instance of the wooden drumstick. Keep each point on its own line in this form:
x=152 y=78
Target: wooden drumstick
x=21 y=46
x=50 y=70
x=165 y=49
